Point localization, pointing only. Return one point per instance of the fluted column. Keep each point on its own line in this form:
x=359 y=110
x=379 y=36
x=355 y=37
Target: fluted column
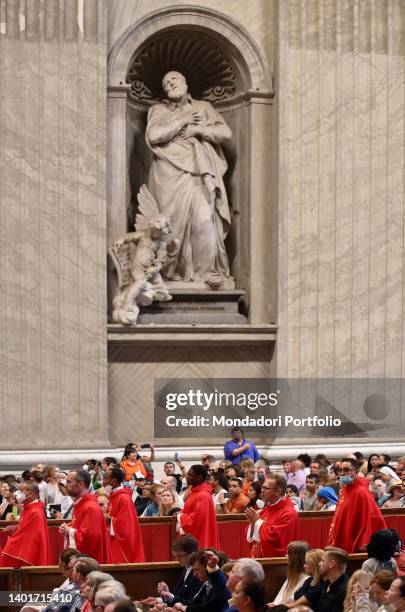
x=53 y=224
x=341 y=184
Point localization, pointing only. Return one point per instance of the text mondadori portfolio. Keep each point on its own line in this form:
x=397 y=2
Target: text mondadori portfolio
x=285 y=420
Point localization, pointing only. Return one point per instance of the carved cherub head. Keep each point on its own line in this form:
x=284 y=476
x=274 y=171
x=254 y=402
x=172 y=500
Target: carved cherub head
x=159 y=226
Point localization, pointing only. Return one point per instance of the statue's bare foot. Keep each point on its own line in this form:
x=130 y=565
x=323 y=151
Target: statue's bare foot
x=126 y=317
x=162 y=296
x=175 y=277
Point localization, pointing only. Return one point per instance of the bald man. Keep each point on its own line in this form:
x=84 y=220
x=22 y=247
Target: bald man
x=28 y=543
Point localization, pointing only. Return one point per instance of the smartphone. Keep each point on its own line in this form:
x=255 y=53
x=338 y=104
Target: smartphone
x=147 y=445
x=227 y=495
x=53 y=509
x=365 y=579
x=176 y=457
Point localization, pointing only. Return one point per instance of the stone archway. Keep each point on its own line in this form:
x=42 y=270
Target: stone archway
x=236 y=39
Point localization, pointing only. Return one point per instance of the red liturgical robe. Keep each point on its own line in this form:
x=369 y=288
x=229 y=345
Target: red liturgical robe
x=125 y=535
x=356 y=517
x=280 y=526
x=198 y=517
x=89 y=534
x=29 y=544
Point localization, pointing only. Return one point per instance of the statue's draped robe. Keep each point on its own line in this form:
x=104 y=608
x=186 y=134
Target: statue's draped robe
x=186 y=178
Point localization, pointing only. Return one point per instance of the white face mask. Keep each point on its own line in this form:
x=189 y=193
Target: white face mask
x=108 y=489
x=20 y=497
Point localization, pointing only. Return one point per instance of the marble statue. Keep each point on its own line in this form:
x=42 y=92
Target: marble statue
x=140 y=257
x=186 y=178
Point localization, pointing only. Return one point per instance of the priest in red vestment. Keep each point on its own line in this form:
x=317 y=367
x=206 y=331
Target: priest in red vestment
x=125 y=534
x=357 y=515
x=29 y=542
x=277 y=524
x=198 y=516
x=88 y=530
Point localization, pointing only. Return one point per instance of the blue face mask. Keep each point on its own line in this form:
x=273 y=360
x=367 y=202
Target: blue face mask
x=346 y=480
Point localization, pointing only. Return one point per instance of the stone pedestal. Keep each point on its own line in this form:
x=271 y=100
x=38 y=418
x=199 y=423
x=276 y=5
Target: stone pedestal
x=196 y=306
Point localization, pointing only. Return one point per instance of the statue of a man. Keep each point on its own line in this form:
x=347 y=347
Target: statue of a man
x=186 y=178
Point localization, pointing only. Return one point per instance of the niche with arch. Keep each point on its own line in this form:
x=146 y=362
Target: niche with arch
x=221 y=64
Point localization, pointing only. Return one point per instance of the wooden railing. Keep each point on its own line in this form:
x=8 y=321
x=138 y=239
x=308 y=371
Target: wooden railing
x=158 y=533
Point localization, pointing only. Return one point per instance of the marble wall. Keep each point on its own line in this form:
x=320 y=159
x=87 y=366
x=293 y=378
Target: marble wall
x=53 y=364
x=341 y=88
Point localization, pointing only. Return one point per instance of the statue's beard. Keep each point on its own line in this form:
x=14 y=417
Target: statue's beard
x=176 y=95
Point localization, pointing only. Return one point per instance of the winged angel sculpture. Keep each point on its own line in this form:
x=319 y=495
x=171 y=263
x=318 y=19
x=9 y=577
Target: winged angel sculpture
x=139 y=257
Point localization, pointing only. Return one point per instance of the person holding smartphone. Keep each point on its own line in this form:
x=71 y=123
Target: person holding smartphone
x=131 y=464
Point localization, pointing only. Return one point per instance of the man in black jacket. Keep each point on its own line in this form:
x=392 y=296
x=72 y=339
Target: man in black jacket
x=213 y=594
x=188 y=585
x=332 y=568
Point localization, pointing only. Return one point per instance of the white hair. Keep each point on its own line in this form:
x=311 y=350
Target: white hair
x=250 y=569
x=109 y=591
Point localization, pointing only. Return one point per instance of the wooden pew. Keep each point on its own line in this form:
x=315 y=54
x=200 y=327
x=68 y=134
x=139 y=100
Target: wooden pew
x=141 y=579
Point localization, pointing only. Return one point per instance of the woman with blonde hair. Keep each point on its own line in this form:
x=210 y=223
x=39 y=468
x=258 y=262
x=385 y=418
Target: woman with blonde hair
x=167 y=506
x=354 y=580
x=53 y=494
x=310 y=592
x=296 y=576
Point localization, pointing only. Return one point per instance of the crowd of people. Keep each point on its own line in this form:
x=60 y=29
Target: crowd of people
x=316 y=580
x=100 y=502
x=236 y=481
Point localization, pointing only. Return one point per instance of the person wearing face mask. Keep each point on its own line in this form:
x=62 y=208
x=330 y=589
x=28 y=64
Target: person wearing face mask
x=357 y=515
x=28 y=543
x=125 y=534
